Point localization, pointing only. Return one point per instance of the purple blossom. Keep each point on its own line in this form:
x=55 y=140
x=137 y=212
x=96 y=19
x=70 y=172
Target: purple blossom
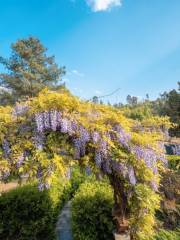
x=119 y=168
x=6 y=148
x=39 y=173
x=122 y=137
x=88 y=170
x=77 y=146
x=53 y=120
x=64 y=125
x=39 y=122
x=98 y=158
x=74 y=126
x=20 y=160
x=95 y=137
x=58 y=119
x=154 y=186
x=131 y=175
x=46 y=119
x=84 y=134
x=103 y=147
x=4 y=175
x=39 y=141
x=43 y=186
x=149 y=156
x=20 y=109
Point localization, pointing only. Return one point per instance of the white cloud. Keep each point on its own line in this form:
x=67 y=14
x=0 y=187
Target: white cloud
x=77 y=73
x=103 y=5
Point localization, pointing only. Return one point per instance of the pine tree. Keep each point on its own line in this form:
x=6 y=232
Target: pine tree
x=28 y=70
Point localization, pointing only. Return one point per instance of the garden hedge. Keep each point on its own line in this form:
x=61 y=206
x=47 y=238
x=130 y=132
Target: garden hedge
x=92 y=212
x=28 y=214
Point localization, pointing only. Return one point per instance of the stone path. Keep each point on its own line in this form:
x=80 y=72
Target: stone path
x=63 y=227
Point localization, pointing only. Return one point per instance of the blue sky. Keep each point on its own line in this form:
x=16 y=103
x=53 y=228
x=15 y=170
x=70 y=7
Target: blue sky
x=104 y=44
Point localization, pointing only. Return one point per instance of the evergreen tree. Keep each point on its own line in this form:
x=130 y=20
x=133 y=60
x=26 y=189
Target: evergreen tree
x=28 y=70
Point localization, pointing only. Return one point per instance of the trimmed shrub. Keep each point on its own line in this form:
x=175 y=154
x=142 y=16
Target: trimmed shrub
x=91 y=212
x=26 y=213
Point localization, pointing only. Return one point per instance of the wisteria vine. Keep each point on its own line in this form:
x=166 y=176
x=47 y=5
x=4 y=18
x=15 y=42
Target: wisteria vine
x=81 y=137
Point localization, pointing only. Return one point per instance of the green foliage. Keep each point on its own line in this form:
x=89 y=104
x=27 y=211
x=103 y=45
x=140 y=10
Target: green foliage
x=143 y=203
x=169 y=213
x=174 y=162
x=167 y=235
x=168 y=104
x=29 y=70
x=27 y=213
x=78 y=177
x=91 y=212
x=138 y=112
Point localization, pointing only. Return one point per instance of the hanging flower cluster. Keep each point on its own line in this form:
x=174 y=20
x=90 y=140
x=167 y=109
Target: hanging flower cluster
x=80 y=137
x=20 y=109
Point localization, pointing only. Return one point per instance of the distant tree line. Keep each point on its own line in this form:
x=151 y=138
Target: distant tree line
x=167 y=104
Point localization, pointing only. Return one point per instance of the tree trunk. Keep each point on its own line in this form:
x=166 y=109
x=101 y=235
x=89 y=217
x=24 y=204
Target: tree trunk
x=120 y=211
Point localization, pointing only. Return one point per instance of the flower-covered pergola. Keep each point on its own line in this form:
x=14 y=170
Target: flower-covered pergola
x=42 y=136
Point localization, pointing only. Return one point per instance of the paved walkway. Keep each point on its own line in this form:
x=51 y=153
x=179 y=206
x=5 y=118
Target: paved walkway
x=63 y=227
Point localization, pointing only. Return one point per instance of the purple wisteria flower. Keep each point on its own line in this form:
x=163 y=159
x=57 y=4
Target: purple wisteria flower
x=95 y=137
x=103 y=147
x=20 y=160
x=154 y=186
x=131 y=175
x=6 y=148
x=77 y=146
x=64 y=125
x=20 y=109
x=54 y=120
x=46 y=120
x=122 y=137
x=43 y=186
x=98 y=159
x=4 y=175
x=149 y=156
x=119 y=168
x=39 y=139
x=39 y=122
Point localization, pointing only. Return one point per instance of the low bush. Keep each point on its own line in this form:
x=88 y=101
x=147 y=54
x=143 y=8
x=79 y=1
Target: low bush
x=26 y=213
x=91 y=212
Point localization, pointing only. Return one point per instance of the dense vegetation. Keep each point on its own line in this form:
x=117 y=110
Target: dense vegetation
x=49 y=131
x=168 y=104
